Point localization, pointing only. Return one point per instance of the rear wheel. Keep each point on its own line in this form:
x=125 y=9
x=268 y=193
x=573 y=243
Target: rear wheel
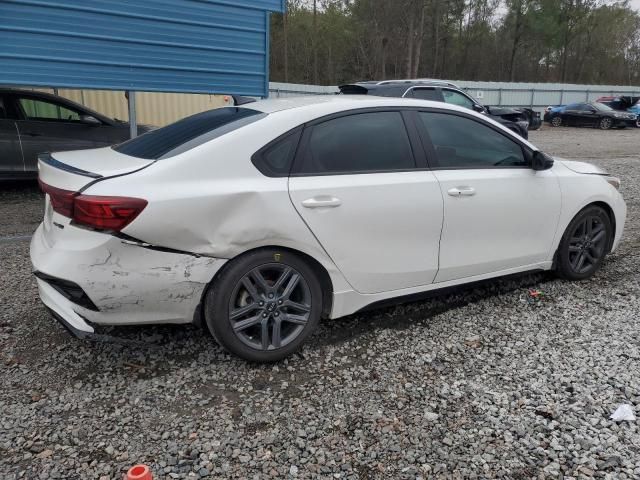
x=605 y=123
x=556 y=121
x=584 y=244
x=264 y=305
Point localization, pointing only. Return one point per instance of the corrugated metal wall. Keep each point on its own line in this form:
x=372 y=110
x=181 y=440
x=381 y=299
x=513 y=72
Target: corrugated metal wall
x=152 y=108
x=155 y=45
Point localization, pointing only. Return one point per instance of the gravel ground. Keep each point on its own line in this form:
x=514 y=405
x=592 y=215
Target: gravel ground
x=484 y=383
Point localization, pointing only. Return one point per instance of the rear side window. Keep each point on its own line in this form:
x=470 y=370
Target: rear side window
x=188 y=133
x=361 y=143
x=464 y=143
x=427 y=94
x=276 y=158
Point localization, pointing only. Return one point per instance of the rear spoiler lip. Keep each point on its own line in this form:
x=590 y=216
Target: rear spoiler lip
x=49 y=160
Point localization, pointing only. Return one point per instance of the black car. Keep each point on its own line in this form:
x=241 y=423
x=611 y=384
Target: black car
x=591 y=114
x=517 y=120
x=36 y=122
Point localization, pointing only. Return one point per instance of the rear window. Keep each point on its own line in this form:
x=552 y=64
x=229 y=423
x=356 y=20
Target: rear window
x=188 y=133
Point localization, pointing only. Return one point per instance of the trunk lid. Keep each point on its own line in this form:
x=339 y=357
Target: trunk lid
x=74 y=170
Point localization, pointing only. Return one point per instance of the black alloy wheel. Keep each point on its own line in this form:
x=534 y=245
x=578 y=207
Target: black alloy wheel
x=584 y=244
x=605 y=123
x=264 y=305
x=270 y=306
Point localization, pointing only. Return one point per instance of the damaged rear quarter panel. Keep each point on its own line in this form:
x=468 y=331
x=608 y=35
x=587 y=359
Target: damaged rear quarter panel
x=212 y=201
x=129 y=284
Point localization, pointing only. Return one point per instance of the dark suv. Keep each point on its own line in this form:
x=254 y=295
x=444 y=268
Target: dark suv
x=518 y=120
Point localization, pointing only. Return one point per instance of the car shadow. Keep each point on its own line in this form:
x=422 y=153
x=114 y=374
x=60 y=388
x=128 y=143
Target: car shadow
x=403 y=315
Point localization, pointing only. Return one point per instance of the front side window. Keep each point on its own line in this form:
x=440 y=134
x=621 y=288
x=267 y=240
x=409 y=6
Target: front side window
x=361 y=143
x=41 y=110
x=464 y=143
x=456 y=98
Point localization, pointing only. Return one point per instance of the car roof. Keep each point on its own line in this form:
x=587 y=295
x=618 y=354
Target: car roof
x=341 y=102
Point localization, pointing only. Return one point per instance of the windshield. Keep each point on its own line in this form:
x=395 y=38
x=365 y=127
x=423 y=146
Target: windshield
x=602 y=107
x=188 y=133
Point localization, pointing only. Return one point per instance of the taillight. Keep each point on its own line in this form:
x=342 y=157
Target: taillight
x=106 y=213
x=61 y=200
x=97 y=212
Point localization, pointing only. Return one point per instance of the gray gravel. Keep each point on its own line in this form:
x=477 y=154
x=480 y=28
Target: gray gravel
x=484 y=383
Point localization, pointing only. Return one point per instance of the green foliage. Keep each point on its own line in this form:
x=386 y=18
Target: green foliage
x=577 y=41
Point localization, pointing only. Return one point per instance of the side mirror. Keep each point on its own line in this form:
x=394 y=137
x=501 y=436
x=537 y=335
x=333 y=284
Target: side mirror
x=478 y=108
x=90 y=120
x=541 y=161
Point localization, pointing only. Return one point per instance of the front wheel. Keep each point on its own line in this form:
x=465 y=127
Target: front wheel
x=264 y=305
x=605 y=123
x=556 y=121
x=584 y=244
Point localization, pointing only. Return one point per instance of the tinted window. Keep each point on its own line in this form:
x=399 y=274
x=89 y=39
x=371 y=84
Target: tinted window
x=275 y=159
x=464 y=143
x=456 y=98
x=41 y=110
x=427 y=94
x=600 y=106
x=366 y=142
x=573 y=106
x=188 y=133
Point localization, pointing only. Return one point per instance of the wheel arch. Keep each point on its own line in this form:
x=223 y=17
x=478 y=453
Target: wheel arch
x=323 y=275
x=612 y=216
x=597 y=203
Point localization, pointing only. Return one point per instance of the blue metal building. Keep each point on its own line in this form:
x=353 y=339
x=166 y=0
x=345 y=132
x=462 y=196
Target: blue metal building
x=198 y=46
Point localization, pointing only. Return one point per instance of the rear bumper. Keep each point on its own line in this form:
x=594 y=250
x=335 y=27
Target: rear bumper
x=62 y=310
x=102 y=279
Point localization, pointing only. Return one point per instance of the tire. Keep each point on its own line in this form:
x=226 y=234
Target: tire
x=638 y=123
x=278 y=297
x=556 y=121
x=588 y=236
x=605 y=123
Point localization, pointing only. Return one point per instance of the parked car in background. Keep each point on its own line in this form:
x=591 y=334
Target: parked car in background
x=623 y=104
x=260 y=220
x=591 y=114
x=519 y=121
x=35 y=122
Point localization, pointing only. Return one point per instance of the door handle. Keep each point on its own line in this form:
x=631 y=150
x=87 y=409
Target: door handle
x=33 y=134
x=322 y=201
x=462 y=191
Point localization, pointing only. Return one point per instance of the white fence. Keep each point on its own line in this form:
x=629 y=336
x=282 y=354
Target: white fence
x=534 y=95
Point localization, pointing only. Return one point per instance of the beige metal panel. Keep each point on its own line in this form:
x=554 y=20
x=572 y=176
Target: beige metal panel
x=152 y=108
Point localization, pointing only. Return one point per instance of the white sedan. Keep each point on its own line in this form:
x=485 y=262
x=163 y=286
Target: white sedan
x=262 y=219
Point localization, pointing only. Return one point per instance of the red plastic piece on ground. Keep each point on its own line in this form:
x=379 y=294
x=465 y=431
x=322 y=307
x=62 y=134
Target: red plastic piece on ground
x=139 y=472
